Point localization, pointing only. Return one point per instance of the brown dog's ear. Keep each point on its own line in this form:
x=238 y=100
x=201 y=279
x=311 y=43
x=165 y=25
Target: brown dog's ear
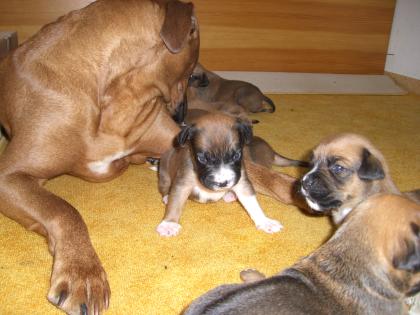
x=409 y=256
x=186 y=134
x=245 y=131
x=370 y=168
x=177 y=25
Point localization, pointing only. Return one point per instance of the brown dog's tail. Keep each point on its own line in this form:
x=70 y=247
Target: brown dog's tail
x=269 y=102
x=280 y=160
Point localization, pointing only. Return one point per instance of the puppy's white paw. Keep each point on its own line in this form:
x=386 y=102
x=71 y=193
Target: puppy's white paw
x=269 y=226
x=229 y=197
x=168 y=229
x=165 y=199
x=153 y=168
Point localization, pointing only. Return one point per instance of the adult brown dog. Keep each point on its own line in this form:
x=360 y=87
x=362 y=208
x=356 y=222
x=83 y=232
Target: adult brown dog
x=209 y=91
x=369 y=266
x=88 y=95
x=347 y=169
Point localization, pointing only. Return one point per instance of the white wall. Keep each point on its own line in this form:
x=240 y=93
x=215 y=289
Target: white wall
x=404 y=46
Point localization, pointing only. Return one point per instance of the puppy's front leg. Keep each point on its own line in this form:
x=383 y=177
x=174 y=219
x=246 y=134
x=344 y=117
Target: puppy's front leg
x=248 y=199
x=176 y=201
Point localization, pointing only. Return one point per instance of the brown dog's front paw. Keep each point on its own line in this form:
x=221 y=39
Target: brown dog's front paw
x=79 y=286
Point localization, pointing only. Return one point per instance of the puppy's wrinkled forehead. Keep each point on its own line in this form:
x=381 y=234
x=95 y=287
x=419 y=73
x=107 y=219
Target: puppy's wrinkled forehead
x=346 y=148
x=216 y=133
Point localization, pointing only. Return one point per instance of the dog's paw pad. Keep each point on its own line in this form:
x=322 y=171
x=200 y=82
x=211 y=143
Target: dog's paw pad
x=168 y=229
x=251 y=275
x=229 y=197
x=165 y=199
x=269 y=226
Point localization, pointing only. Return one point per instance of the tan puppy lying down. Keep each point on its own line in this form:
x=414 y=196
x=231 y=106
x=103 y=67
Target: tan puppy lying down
x=207 y=164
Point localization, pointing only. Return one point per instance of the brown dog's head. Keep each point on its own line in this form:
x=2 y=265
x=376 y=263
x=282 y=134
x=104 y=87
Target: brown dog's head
x=391 y=229
x=216 y=142
x=180 y=36
x=346 y=170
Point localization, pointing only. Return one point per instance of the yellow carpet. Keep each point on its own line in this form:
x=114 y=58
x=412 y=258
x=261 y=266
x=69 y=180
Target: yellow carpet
x=152 y=275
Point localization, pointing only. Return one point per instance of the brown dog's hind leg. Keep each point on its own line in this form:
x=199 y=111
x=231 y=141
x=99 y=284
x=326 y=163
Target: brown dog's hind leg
x=279 y=186
x=78 y=281
x=280 y=160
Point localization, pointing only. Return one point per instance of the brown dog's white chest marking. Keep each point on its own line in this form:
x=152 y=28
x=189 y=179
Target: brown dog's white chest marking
x=102 y=166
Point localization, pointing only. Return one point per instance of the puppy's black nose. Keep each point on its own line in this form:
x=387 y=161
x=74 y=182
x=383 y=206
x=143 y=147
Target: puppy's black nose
x=221 y=184
x=307 y=183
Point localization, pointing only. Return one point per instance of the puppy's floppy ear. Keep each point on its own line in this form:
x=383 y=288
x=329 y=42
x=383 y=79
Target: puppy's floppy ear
x=177 y=25
x=186 y=134
x=245 y=131
x=408 y=257
x=370 y=168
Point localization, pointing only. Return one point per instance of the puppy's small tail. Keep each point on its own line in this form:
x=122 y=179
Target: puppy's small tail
x=280 y=160
x=269 y=101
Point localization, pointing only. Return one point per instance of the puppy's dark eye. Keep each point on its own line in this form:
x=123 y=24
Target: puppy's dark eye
x=338 y=169
x=237 y=156
x=201 y=158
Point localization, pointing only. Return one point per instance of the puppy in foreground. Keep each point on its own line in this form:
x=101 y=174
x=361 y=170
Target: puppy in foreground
x=347 y=169
x=207 y=164
x=206 y=88
x=369 y=266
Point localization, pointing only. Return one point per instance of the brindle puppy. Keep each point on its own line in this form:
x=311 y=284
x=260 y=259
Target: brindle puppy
x=205 y=166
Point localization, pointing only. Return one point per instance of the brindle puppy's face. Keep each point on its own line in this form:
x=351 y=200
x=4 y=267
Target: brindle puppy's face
x=216 y=142
x=344 y=172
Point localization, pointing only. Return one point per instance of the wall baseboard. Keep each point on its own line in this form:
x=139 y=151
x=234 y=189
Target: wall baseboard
x=317 y=83
x=412 y=85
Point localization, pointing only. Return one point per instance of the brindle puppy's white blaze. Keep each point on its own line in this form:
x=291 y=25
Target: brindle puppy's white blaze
x=224 y=174
x=251 y=205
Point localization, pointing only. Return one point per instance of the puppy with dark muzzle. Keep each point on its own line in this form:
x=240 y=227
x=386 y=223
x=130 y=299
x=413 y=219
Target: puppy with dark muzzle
x=257 y=150
x=369 y=266
x=206 y=88
x=205 y=165
x=347 y=169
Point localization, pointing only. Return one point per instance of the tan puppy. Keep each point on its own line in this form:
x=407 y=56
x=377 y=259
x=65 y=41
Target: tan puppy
x=205 y=166
x=368 y=267
x=347 y=169
x=87 y=95
x=208 y=89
